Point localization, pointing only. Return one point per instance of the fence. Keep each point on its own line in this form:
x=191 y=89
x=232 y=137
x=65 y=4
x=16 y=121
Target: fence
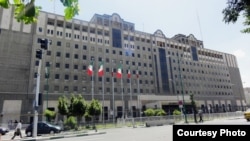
x=141 y=121
x=177 y=118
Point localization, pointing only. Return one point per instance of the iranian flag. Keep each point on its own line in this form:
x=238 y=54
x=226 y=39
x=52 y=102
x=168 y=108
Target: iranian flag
x=137 y=73
x=119 y=72
x=129 y=73
x=90 y=69
x=100 y=70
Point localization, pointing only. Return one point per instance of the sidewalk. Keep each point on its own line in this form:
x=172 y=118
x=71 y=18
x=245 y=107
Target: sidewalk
x=68 y=134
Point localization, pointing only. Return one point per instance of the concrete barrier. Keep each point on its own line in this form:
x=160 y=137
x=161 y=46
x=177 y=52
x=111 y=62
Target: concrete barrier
x=159 y=122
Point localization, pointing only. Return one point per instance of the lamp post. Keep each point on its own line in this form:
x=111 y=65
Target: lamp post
x=47 y=73
x=183 y=99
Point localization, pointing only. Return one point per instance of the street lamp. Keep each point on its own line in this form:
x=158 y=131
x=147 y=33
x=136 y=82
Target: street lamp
x=174 y=91
x=47 y=74
x=182 y=91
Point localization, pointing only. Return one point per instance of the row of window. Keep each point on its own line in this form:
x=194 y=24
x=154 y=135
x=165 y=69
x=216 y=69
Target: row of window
x=66 y=89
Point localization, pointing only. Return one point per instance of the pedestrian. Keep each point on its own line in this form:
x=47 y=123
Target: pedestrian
x=18 y=130
x=201 y=116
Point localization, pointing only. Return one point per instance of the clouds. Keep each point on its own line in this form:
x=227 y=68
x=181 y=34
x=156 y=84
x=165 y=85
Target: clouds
x=239 y=53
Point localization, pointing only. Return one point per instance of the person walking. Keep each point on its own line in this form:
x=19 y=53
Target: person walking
x=201 y=115
x=18 y=130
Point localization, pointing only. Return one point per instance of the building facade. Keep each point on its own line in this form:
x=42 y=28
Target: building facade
x=247 y=95
x=164 y=71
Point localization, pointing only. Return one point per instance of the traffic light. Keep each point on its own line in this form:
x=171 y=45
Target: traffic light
x=44 y=44
x=40 y=99
x=39 y=54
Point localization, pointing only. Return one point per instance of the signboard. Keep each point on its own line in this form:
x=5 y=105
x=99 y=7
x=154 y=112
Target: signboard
x=180 y=104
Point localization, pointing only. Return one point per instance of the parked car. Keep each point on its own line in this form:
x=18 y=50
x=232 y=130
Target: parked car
x=4 y=130
x=43 y=128
x=247 y=114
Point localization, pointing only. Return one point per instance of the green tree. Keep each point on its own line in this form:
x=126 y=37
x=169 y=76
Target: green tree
x=94 y=110
x=50 y=115
x=63 y=106
x=193 y=106
x=77 y=107
x=233 y=11
x=27 y=12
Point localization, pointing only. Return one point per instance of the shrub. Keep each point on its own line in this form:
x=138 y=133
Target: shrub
x=149 y=112
x=176 y=112
x=160 y=112
x=71 y=122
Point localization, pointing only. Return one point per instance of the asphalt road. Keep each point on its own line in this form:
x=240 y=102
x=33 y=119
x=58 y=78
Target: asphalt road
x=157 y=133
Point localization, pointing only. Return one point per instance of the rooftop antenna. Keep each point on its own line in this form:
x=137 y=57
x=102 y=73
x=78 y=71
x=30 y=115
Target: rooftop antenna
x=199 y=23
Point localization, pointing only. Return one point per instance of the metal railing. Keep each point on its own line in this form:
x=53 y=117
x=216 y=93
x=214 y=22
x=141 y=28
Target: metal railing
x=178 y=118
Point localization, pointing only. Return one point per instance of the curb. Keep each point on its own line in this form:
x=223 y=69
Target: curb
x=63 y=136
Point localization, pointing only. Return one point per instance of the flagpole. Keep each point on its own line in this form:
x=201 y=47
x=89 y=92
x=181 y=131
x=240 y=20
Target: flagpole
x=93 y=85
x=137 y=75
x=113 y=96
x=122 y=99
x=103 y=97
x=132 y=115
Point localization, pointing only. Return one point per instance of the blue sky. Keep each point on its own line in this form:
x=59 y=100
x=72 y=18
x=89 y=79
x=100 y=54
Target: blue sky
x=203 y=19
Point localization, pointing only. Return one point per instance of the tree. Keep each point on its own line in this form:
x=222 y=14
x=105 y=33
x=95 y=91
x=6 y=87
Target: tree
x=27 y=12
x=63 y=106
x=94 y=110
x=194 y=106
x=77 y=107
x=233 y=10
x=50 y=115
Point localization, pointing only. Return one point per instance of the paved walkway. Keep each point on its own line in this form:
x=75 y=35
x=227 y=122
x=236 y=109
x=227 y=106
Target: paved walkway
x=68 y=134
x=9 y=135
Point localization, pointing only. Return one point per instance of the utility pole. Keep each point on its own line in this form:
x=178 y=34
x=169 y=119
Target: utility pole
x=39 y=55
x=36 y=99
x=182 y=91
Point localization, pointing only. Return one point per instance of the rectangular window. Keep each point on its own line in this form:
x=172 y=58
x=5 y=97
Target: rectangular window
x=76 y=56
x=59 y=43
x=58 y=54
x=57 y=76
x=67 y=55
x=76 y=46
x=66 y=66
x=66 y=77
x=117 y=39
x=75 y=77
x=57 y=65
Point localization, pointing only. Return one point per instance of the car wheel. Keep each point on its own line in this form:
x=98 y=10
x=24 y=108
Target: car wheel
x=52 y=132
x=29 y=133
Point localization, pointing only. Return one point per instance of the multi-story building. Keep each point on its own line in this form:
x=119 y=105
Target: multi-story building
x=169 y=69
x=247 y=95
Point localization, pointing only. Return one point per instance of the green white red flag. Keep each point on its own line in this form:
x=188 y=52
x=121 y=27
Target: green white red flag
x=90 y=69
x=100 y=70
x=129 y=73
x=119 y=72
x=137 y=73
